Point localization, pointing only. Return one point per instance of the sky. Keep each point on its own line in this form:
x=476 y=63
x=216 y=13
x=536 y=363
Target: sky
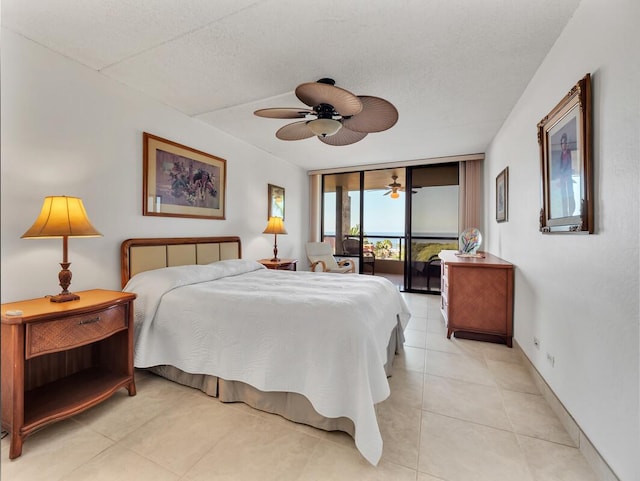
x=435 y=212
x=381 y=214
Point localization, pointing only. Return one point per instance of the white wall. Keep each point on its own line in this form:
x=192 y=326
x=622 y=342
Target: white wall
x=579 y=294
x=67 y=130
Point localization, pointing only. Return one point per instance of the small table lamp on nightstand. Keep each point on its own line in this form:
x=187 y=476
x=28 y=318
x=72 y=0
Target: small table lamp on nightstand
x=275 y=227
x=65 y=217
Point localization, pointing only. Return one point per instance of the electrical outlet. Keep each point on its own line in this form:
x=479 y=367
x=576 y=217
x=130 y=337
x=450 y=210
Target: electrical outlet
x=536 y=342
x=551 y=359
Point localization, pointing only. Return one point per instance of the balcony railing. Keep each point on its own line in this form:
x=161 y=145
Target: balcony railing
x=393 y=248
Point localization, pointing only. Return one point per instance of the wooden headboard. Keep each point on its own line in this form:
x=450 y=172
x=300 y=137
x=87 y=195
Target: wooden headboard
x=139 y=255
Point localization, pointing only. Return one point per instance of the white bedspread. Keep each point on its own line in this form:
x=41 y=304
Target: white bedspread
x=318 y=334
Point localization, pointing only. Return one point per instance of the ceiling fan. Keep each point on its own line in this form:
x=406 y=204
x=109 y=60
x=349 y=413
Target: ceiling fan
x=336 y=116
x=394 y=187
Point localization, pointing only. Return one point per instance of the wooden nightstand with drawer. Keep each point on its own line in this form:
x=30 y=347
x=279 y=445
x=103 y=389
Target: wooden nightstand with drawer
x=59 y=359
x=280 y=264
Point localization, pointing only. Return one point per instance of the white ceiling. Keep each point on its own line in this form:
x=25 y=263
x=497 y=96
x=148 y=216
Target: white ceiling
x=453 y=68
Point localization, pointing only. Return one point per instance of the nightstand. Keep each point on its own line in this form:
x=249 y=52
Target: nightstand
x=280 y=265
x=59 y=359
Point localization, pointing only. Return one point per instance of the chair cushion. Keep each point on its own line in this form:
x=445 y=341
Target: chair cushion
x=319 y=248
x=341 y=269
x=329 y=261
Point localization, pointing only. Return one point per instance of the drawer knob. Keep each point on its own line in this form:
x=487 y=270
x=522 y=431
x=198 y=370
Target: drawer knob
x=89 y=321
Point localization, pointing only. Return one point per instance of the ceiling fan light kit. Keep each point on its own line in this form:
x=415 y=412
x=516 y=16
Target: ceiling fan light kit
x=324 y=127
x=337 y=117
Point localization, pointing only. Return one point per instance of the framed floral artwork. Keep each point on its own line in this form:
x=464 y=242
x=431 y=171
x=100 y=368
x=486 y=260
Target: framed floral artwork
x=565 y=139
x=179 y=181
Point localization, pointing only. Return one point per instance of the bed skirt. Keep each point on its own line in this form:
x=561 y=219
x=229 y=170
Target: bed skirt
x=292 y=406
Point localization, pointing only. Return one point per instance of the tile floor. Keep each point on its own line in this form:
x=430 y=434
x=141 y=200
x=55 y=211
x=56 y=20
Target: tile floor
x=459 y=410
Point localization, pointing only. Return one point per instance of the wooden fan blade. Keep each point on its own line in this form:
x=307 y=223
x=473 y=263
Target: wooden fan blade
x=343 y=137
x=387 y=192
x=294 y=131
x=343 y=101
x=377 y=115
x=283 y=113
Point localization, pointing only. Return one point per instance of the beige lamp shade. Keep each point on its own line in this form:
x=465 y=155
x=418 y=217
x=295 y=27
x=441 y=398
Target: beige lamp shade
x=275 y=226
x=62 y=216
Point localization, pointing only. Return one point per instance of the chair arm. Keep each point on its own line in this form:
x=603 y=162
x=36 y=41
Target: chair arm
x=348 y=262
x=432 y=259
x=316 y=263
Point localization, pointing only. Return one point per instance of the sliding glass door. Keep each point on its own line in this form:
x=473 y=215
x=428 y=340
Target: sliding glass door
x=432 y=223
x=341 y=214
x=363 y=218
x=384 y=221
x=393 y=222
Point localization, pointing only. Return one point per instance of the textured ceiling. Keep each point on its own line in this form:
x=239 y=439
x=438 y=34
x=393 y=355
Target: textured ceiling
x=453 y=69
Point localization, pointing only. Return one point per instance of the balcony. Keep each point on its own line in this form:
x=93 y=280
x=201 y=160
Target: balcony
x=390 y=252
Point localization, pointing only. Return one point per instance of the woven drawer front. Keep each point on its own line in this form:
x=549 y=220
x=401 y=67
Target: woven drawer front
x=70 y=332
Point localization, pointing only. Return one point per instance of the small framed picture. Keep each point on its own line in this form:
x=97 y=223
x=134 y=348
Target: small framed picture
x=275 y=201
x=179 y=181
x=565 y=138
x=502 y=196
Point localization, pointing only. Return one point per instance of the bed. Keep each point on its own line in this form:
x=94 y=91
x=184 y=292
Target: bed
x=315 y=348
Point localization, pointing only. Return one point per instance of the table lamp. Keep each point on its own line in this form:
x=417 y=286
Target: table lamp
x=275 y=227
x=65 y=217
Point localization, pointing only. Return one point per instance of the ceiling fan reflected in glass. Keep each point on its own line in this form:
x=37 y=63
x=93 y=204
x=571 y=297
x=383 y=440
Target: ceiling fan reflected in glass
x=395 y=187
x=336 y=117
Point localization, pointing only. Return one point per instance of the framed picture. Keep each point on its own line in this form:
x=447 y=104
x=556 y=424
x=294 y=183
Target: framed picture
x=565 y=139
x=179 y=181
x=502 y=196
x=276 y=201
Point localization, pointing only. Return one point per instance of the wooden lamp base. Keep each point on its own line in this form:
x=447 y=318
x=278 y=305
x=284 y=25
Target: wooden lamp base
x=64 y=276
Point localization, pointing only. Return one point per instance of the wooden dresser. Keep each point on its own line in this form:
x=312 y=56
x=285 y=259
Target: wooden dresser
x=477 y=296
x=59 y=359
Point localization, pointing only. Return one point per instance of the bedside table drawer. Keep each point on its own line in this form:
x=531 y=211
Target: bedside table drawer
x=58 y=335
